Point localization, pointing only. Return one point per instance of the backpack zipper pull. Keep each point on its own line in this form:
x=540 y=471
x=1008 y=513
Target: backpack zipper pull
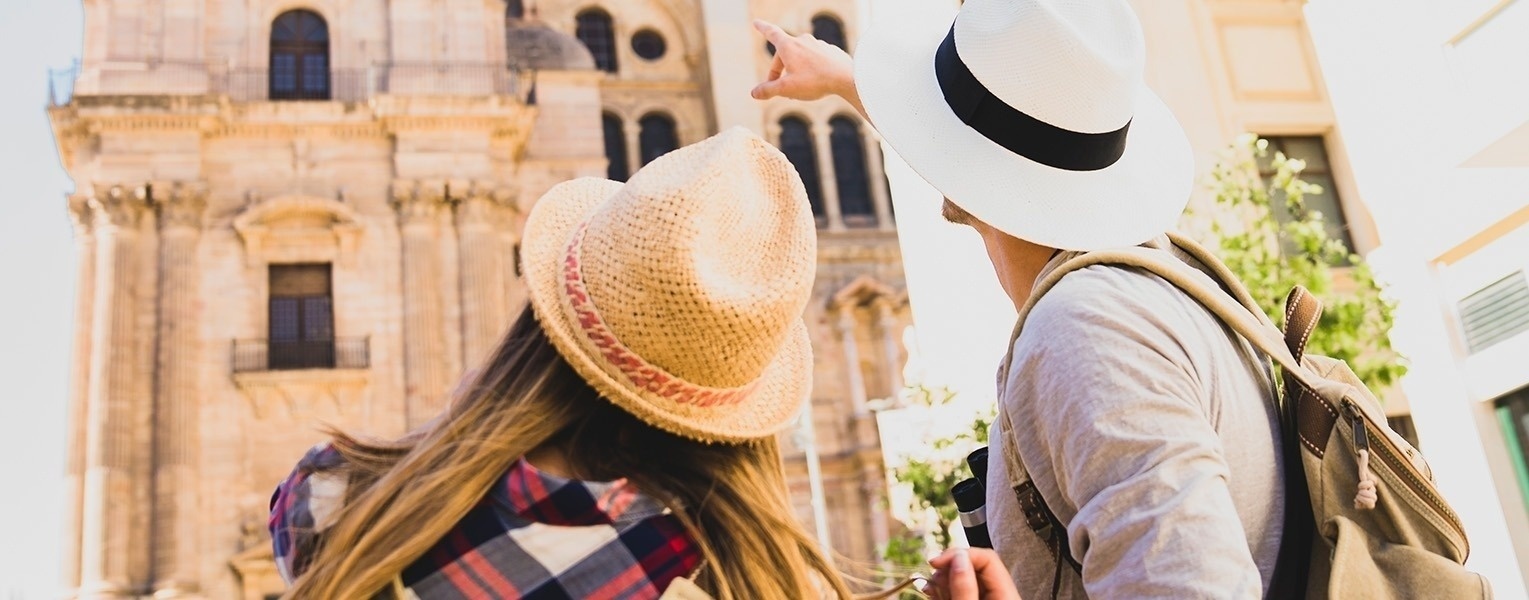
x=1365 y=495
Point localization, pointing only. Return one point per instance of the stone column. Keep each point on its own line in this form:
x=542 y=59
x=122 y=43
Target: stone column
x=107 y=517
x=846 y=326
x=829 y=179
x=482 y=276
x=508 y=224
x=424 y=346
x=875 y=169
x=79 y=388
x=886 y=321
x=176 y=436
x=633 y=148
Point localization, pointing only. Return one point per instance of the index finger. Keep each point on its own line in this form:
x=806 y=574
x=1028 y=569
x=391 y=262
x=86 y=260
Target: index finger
x=775 y=34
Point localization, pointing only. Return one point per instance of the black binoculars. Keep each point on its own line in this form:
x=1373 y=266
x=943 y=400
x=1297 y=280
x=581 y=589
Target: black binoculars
x=971 y=497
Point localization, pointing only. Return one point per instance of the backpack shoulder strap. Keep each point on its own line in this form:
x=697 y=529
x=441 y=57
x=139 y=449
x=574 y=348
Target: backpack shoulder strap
x=1248 y=322
x=1219 y=272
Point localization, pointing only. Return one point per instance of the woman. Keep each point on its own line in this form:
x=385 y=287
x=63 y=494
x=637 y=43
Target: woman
x=622 y=436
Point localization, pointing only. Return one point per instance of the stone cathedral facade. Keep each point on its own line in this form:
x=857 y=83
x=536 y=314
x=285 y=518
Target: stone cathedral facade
x=292 y=213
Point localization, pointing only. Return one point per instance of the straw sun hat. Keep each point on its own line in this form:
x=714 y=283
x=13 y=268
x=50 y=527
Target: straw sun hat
x=1033 y=116
x=679 y=295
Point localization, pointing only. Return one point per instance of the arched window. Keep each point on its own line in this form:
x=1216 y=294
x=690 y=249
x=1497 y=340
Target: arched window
x=796 y=144
x=657 y=136
x=850 y=172
x=594 y=28
x=299 y=57
x=828 y=28
x=515 y=9
x=615 y=147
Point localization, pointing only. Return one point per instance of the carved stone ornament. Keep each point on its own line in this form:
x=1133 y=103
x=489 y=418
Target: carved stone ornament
x=299 y=229
x=80 y=214
x=862 y=291
x=485 y=204
x=116 y=206
x=418 y=202
x=180 y=204
x=302 y=396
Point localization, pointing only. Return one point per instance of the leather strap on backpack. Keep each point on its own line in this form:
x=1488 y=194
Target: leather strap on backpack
x=1292 y=569
x=1038 y=516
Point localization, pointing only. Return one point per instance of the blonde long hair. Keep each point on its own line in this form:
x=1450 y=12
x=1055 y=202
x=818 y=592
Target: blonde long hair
x=405 y=495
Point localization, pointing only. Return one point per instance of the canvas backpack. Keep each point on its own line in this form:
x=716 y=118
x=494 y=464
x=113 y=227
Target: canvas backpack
x=1363 y=517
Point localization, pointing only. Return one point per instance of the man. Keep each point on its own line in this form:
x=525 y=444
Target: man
x=1143 y=423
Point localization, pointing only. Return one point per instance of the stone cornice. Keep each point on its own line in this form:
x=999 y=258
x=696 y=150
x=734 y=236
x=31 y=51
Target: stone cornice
x=74 y=124
x=283 y=130
x=338 y=238
x=862 y=291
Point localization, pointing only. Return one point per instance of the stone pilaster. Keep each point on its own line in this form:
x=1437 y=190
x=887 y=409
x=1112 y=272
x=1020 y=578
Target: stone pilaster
x=424 y=345
x=449 y=275
x=856 y=379
x=82 y=216
x=633 y=141
x=873 y=488
x=829 y=178
x=509 y=241
x=109 y=487
x=875 y=169
x=886 y=322
x=482 y=273
x=176 y=437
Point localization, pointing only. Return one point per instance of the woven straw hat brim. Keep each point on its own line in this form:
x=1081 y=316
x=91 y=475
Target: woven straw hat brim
x=772 y=406
x=1135 y=199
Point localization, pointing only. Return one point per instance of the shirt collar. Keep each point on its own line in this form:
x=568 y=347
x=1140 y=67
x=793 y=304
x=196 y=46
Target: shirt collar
x=543 y=497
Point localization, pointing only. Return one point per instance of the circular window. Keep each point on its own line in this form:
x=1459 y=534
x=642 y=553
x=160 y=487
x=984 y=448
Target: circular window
x=649 y=44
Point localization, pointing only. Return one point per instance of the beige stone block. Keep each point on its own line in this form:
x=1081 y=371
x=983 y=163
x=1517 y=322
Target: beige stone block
x=1269 y=61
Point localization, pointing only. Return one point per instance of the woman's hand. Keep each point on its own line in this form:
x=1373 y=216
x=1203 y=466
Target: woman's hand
x=806 y=68
x=970 y=574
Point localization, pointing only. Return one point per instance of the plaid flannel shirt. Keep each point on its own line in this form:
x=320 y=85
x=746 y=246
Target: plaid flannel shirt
x=532 y=536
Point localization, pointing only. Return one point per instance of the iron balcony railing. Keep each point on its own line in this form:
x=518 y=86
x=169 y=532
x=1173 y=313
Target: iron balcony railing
x=275 y=355
x=262 y=84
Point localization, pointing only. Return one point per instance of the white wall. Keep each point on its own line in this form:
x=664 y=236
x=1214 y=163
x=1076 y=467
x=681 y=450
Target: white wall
x=1411 y=111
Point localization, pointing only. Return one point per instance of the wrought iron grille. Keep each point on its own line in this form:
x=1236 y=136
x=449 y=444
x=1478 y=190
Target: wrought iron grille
x=266 y=355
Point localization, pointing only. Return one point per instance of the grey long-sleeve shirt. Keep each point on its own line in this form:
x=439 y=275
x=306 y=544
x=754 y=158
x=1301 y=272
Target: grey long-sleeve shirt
x=1147 y=427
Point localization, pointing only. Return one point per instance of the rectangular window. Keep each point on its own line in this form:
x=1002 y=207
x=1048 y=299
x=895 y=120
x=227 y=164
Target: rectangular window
x=315 y=75
x=1313 y=150
x=283 y=74
x=301 y=325
x=1513 y=417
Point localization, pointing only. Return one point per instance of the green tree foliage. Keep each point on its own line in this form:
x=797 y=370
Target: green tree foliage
x=1272 y=255
x=930 y=477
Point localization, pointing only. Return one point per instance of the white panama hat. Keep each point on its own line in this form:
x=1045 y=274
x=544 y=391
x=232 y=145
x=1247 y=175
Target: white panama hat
x=1033 y=116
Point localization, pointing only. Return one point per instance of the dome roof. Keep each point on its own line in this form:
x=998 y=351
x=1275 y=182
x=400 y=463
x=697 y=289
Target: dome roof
x=532 y=44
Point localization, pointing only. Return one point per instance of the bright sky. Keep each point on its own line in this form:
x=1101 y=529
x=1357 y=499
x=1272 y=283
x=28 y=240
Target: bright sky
x=37 y=266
